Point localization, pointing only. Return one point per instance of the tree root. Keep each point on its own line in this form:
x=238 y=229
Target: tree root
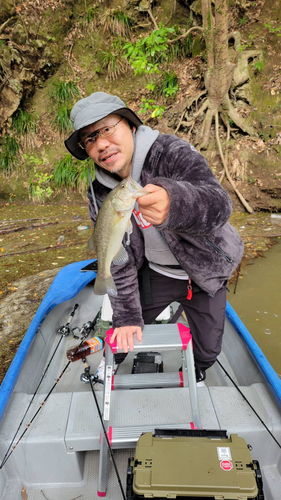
x=236 y=190
x=188 y=104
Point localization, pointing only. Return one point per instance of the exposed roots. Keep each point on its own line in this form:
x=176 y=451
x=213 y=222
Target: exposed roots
x=227 y=112
x=230 y=180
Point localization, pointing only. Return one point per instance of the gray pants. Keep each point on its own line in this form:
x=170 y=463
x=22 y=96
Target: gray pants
x=205 y=314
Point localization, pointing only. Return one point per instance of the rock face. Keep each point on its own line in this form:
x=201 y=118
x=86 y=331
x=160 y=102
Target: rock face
x=28 y=54
x=18 y=309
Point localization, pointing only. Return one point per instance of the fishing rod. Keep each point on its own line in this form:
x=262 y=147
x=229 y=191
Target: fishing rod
x=88 y=376
x=85 y=330
x=63 y=330
x=247 y=401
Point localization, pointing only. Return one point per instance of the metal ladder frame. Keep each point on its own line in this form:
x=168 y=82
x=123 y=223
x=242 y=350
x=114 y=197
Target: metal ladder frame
x=163 y=337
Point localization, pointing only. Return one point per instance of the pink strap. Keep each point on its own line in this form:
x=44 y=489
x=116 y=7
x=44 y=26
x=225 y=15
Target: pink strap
x=185 y=335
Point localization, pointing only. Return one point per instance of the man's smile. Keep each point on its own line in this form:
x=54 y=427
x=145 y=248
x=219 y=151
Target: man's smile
x=109 y=157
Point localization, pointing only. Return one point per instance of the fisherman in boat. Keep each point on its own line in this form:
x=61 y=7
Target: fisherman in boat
x=182 y=247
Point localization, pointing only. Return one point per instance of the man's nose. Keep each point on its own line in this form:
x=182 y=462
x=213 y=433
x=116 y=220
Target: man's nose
x=102 y=143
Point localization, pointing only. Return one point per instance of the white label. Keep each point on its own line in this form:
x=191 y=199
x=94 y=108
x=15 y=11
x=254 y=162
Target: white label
x=224 y=453
x=107 y=392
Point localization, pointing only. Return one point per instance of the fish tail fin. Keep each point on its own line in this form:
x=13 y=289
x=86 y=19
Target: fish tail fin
x=105 y=285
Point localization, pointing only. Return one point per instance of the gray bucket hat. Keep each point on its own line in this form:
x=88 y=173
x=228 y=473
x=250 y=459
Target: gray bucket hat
x=92 y=109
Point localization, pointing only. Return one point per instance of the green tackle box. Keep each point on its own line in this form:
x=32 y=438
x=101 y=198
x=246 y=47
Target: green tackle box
x=193 y=464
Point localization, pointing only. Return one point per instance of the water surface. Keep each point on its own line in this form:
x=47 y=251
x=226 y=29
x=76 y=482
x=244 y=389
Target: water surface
x=258 y=302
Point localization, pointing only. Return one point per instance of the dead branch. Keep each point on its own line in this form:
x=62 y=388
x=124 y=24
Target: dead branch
x=184 y=35
x=23 y=228
x=3 y=26
x=240 y=196
x=39 y=250
x=180 y=122
x=152 y=18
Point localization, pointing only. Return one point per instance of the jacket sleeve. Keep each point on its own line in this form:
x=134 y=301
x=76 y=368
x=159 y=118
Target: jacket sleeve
x=198 y=203
x=126 y=305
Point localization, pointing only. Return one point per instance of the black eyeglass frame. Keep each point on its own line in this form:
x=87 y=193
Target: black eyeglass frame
x=99 y=133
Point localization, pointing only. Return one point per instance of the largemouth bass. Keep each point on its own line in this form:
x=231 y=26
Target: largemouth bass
x=112 y=223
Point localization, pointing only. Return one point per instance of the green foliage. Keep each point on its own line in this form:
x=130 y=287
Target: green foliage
x=246 y=46
x=9 y=157
x=23 y=123
x=145 y=55
x=168 y=85
x=39 y=183
x=116 y=22
x=273 y=29
x=259 y=65
x=243 y=21
x=149 y=105
x=90 y=14
x=39 y=189
x=63 y=91
x=63 y=94
x=65 y=173
x=70 y=174
x=61 y=118
x=113 y=61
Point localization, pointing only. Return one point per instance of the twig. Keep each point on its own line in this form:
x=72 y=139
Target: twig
x=240 y=196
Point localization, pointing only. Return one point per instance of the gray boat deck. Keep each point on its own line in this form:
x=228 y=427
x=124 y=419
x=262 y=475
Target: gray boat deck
x=58 y=458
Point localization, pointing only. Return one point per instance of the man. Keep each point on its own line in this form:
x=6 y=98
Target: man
x=182 y=248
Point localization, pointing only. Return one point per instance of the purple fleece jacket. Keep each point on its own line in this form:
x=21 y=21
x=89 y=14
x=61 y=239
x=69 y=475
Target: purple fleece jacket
x=196 y=229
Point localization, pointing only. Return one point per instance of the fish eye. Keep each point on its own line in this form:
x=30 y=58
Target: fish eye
x=122 y=186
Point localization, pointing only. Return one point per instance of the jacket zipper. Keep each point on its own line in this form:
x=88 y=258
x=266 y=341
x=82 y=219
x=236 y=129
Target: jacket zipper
x=219 y=250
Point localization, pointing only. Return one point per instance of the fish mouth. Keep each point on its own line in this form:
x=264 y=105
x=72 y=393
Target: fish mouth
x=135 y=188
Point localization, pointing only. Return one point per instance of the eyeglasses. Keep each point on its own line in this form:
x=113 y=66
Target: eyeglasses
x=101 y=132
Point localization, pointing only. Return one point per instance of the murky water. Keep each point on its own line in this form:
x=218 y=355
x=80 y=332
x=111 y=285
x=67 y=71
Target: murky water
x=258 y=302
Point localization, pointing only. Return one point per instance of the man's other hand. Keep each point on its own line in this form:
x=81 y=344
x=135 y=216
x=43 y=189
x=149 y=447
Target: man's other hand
x=154 y=206
x=124 y=336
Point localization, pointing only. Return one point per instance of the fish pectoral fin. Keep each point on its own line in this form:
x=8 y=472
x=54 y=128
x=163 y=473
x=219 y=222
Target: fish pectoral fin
x=117 y=218
x=129 y=231
x=129 y=228
x=121 y=257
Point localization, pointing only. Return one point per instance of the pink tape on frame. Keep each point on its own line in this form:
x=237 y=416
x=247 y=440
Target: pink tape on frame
x=185 y=335
x=108 y=336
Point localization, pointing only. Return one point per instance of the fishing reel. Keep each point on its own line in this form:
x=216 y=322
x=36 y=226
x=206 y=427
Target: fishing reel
x=65 y=330
x=86 y=375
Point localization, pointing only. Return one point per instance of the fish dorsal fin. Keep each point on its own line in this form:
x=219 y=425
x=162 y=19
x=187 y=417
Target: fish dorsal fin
x=91 y=244
x=121 y=257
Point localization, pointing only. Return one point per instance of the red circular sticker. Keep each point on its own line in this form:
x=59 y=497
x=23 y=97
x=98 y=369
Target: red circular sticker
x=226 y=465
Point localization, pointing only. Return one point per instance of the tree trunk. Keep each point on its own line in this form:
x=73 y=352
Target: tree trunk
x=219 y=70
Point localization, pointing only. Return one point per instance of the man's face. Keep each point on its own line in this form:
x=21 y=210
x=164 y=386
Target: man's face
x=113 y=153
